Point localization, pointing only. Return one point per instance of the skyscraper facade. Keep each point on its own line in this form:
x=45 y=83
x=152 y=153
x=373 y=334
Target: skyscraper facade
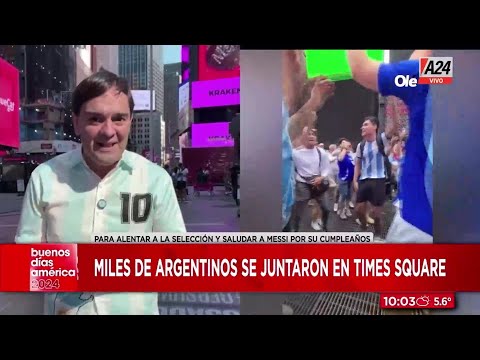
x=172 y=79
x=134 y=65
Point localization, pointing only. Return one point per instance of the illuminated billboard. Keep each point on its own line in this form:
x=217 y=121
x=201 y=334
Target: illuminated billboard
x=213 y=93
x=9 y=105
x=211 y=135
x=183 y=106
x=218 y=61
x=141 y=98
x=185 y=63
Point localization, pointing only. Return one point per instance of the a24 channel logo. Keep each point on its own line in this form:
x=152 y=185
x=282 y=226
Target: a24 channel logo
x=432 y=71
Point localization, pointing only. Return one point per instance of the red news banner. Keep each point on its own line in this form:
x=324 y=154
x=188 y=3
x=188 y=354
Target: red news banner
x=241 y=267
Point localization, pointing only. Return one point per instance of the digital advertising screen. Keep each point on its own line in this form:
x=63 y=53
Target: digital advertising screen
x=218 y=61
x=212 y=93
x=183 y=106
x=185 y=63
x=9 y=105
x=211 y=135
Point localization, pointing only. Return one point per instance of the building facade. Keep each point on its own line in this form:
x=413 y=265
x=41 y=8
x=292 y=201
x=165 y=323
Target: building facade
x=142 y=133
x=172 y=80
x=48 y=75
x=84 y=62
x=105 y=57
x=134 y=65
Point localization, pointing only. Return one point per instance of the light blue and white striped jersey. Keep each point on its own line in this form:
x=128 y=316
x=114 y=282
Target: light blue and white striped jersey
x=65 y=202
x=373 y=162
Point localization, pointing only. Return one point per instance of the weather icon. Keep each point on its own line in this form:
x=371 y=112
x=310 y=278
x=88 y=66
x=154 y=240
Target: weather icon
x=423 y=301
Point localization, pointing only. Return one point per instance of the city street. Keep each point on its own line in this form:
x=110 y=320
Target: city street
x=207 y=213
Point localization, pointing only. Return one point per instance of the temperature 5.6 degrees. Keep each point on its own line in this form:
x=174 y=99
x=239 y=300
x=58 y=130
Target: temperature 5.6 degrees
x=442 y=301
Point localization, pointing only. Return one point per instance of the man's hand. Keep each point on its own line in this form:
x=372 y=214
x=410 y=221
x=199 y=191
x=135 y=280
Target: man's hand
x=395 y=140
x=322 y=89
x=317 y=181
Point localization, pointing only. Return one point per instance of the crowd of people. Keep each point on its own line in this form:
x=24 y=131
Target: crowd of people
x=372 y=187
x=202 y=181
x=385 y=165
x=393 y=162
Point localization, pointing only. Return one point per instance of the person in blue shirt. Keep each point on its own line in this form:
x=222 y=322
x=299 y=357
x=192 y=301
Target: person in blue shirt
x=302 y=99
x=413 y=221
x=346 y=170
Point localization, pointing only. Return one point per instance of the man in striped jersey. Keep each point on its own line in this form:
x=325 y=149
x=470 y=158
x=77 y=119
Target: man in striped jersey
x=99 y=188
x=369 y=180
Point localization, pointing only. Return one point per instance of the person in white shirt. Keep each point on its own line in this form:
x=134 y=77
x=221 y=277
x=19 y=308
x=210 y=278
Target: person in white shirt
x=312 y=171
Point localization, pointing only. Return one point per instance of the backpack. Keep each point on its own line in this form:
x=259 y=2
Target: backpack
x=386 y=161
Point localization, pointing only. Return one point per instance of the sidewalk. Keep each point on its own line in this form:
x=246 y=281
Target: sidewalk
x=10 y=207
x=10 y=203
x=205 y=213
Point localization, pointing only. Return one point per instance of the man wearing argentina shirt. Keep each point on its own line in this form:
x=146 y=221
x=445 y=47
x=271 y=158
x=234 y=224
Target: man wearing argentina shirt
x=99 y=188
x=413 y=222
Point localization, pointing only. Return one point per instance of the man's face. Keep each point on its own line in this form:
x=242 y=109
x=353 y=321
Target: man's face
x=332 y=148
x=368 y=128
x=312 y=138
x=103 y=125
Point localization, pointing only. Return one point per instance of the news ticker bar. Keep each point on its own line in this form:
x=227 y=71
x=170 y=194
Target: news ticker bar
x=240 y=267
x=234 y=238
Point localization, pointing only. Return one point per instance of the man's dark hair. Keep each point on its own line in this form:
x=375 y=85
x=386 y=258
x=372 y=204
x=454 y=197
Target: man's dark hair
x=373 y=120
x=341 y=140
x=96 y=85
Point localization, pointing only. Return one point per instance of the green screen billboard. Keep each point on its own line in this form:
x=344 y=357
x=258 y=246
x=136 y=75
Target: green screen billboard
x=333 y=63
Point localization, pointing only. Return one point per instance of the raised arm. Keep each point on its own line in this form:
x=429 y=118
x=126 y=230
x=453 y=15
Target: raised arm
x=364 y=70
